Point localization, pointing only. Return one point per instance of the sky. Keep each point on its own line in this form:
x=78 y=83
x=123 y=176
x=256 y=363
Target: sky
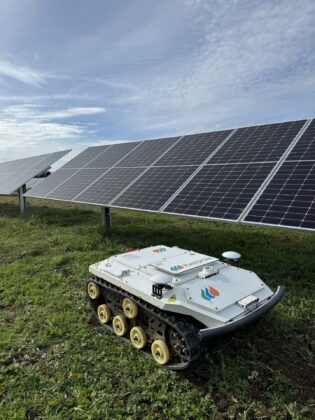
x=76 y=73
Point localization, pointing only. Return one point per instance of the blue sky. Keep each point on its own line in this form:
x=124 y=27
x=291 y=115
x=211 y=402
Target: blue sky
x=76 y=73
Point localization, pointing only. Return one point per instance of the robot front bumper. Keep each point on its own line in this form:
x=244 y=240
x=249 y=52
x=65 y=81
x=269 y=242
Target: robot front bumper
x=208 y=334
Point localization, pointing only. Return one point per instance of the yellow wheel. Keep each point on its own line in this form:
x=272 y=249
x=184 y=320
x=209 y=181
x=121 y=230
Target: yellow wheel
x=120 y=325
x=130 y=308
x=138 y=337
x=103 y=313
x=160 y=352
x=93 y=290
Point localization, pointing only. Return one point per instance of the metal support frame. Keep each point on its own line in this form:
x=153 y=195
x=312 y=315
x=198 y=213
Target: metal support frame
x=22 y=199
x=106 y=218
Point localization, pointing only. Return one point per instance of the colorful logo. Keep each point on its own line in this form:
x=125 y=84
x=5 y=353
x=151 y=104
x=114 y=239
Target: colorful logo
x=209 y=293
x=177 y=267
x=172 y=299
x=158 y=250
x=189 y=265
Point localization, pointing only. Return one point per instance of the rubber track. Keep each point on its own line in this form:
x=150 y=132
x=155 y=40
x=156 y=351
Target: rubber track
x=185 y=326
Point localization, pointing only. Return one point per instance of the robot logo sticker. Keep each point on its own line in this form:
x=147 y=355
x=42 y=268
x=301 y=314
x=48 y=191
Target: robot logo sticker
x=177 y=267
x=209 y=293
x=158 y=250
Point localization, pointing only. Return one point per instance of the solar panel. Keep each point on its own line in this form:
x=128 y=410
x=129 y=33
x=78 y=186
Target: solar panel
x=193 y=149
x=305 y=147
x=154 y=187
x=75 y=184
x=39 y=166
x=148 y=152
x=10 y=167
x=258 y=144
x=14 y=174
x=43 y=188
x=34 y=163
x=289 y=198
x=32 y=182
x=113 y=155
x=220 y=191
x=108 y=186
x=14 y=181
x=86 y=156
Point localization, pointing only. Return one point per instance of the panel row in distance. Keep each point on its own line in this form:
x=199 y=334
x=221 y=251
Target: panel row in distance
x=15 y=173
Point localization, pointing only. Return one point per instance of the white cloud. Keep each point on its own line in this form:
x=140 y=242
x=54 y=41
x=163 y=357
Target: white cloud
x=69 y=96
x=21 y=134
x=72 y=112
x=28 y=127
x=22 y=74
x=34 y=112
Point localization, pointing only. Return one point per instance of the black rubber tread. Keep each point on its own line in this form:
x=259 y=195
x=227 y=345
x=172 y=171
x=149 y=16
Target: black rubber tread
x=186 y=328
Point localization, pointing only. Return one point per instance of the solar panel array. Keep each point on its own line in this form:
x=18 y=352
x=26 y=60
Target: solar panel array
x=15 y=173
x=225 y=175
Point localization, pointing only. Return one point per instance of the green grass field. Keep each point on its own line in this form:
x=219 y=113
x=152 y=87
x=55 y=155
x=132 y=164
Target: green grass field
x=56 y=363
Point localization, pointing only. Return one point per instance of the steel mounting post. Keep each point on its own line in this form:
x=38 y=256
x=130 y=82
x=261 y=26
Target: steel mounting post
x=106 y=218
x=22 y=199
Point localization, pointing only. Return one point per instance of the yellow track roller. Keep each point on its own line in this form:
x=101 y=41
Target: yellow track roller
x=160 y=352
x=120 y=325
x=93 y=290
x=130 y=308
x=103 y=313
x=138 y=337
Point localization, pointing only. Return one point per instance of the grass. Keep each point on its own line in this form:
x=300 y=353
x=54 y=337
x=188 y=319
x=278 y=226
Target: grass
x=55 y=363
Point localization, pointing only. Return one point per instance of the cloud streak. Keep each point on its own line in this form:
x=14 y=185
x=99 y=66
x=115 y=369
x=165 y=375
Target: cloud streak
x=35 y=112
x=27 y=127
x=21 y=74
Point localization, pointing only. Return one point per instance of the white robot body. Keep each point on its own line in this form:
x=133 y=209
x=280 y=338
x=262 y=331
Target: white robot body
x=172 y=279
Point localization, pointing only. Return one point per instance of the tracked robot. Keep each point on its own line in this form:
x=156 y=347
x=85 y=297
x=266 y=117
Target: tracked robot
x=169 y=302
